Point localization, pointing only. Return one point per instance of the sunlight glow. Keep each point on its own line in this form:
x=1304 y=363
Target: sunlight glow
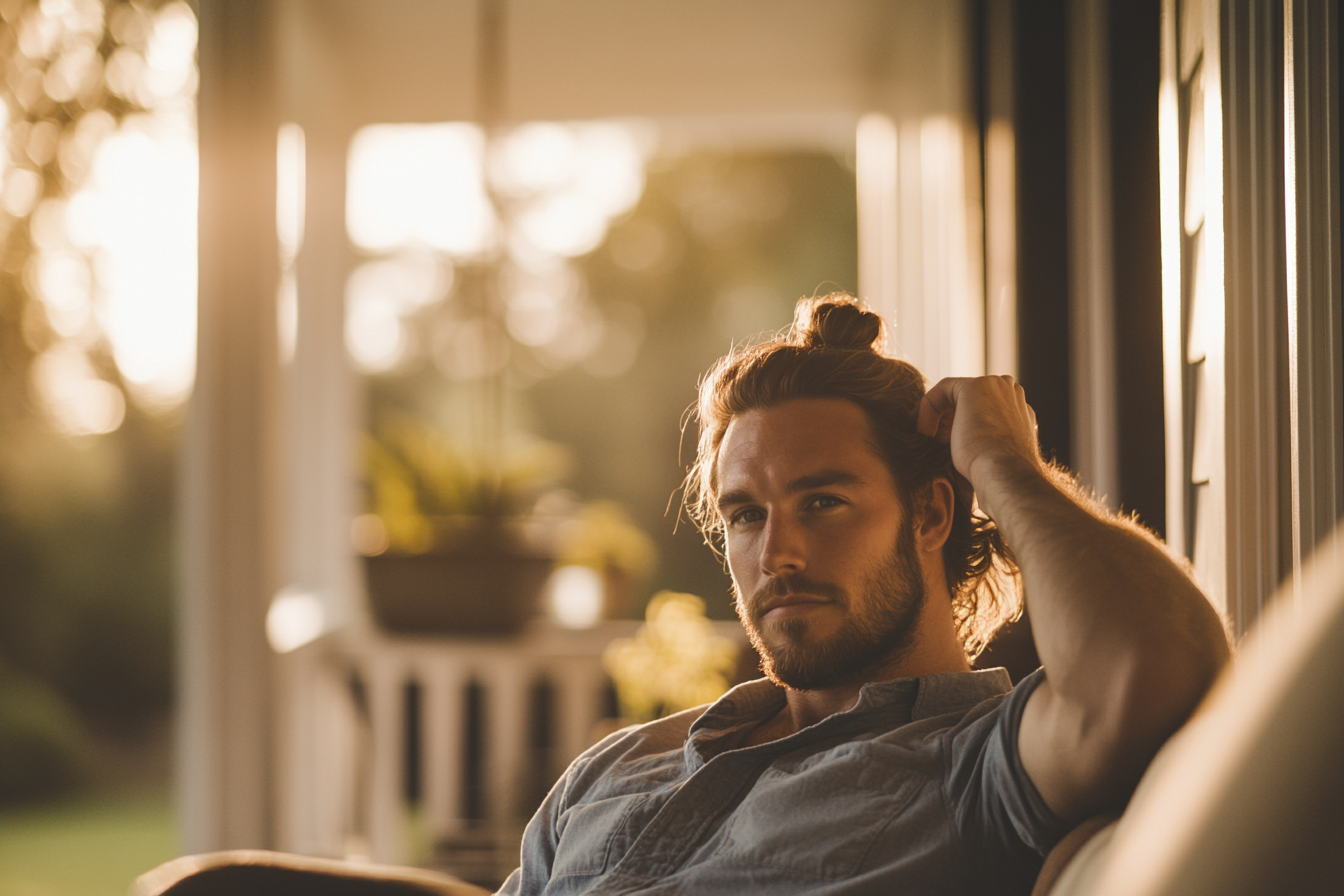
x=21 y=191
x=295 y=618
x=574 y=179
x=418 y=184
x=115 y=266
x=139 y=217
x=378 y=297
x=876 y=148
x=290 y=175
x=65 y=285
x=290 y=193
x=560 y=186
x=169 y=68
x=80 y=403
x=567 y=224
x=575 y=595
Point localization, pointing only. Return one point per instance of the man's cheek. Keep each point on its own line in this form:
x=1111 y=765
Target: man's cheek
x=742 y=590
x=735 y=552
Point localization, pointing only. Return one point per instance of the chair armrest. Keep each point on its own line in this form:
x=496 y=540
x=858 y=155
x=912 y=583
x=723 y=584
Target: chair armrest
x=257 y=872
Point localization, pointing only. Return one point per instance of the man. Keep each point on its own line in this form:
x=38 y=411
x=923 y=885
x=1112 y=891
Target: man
x=871 y=759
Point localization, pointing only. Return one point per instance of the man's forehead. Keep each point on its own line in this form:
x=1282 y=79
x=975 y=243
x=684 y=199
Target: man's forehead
x=803 y=437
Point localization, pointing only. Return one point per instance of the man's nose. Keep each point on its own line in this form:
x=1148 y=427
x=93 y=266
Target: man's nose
x=783 y=551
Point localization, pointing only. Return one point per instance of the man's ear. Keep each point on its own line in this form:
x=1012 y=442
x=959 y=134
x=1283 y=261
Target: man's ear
x=934 y=523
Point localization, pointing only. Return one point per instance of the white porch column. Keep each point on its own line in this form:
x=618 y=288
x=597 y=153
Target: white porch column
x=321 y=413
x=229 y=511
x=323 y=409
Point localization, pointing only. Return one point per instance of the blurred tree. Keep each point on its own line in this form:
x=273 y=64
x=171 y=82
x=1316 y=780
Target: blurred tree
x=43 y=743
x=85 y=520
x=68 y=78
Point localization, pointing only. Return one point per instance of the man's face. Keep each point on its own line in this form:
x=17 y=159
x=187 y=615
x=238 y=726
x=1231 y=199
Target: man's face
x=823 y=558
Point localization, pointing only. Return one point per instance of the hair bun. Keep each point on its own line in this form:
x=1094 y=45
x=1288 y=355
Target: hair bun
x=837 y=321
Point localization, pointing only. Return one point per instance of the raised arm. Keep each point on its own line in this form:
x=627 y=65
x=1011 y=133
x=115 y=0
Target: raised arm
x=1129 y=643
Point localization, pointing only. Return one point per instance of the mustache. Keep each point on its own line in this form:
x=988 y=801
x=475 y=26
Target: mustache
x=783 y=586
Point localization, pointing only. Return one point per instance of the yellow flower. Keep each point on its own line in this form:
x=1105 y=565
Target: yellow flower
x=602 y=537
x=675 y=660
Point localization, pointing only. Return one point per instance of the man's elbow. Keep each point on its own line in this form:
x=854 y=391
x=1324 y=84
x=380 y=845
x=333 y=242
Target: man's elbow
x=1153 y=694
x=1167 y=677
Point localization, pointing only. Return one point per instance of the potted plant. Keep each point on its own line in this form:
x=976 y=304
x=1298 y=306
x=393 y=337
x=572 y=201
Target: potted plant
x=448 y=548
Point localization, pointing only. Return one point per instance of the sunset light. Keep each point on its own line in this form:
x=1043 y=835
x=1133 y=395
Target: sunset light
x=428 y=197
x=115 y=264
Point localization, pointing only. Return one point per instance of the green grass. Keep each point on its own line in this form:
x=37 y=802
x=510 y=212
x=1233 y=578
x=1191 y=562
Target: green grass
x=90 y=845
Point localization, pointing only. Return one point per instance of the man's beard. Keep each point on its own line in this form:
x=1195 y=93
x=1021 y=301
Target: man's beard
x=880 y=630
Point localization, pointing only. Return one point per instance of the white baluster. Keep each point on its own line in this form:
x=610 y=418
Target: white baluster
x=579 y=682
x=335 y=761
x=348 y=798
x=385 y=680
x=444 y=713
x=506 y=682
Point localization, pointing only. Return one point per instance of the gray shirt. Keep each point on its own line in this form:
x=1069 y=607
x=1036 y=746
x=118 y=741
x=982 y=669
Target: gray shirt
x=916 y=789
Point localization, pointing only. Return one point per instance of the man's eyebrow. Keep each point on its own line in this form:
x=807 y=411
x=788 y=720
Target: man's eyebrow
x=823 y=479
x=737 y=496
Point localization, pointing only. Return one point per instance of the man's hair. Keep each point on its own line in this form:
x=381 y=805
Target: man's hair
x=833 y=350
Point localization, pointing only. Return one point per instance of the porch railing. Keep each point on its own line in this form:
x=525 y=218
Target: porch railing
x=435 y=749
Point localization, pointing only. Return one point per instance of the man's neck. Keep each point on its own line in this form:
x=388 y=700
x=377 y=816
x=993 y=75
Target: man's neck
x=933 y=648
x=805 y=708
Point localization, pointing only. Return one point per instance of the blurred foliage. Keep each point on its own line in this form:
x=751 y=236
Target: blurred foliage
x=420 y=482
x=719 y=248
x=602 y=537
x=675 y=661
x=44 y=745
x=85 y=523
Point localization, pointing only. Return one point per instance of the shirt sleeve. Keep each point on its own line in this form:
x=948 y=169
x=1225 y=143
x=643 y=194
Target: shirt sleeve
x=543 y=835
x=540 y=840
x=1001 y=818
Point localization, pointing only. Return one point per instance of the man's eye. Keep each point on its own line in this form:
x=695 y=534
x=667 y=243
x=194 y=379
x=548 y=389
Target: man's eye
x=823 y=502
x=749 y=515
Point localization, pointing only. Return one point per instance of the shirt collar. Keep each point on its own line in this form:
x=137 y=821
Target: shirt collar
x=957 y=691
x=748 y=704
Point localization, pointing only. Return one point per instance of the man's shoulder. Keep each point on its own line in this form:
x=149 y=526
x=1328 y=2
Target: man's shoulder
x=631 y=759
x=658 y=750
x=668 y=732
x=642 y=740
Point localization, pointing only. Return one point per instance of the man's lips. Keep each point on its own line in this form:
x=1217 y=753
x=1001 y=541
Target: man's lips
x=792 y=605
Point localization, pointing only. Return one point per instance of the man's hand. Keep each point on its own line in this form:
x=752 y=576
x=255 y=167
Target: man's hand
x=1128 y=642
x=987 y=424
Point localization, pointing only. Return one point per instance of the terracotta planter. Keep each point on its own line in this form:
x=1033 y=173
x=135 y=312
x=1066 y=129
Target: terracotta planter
x=481 y=589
